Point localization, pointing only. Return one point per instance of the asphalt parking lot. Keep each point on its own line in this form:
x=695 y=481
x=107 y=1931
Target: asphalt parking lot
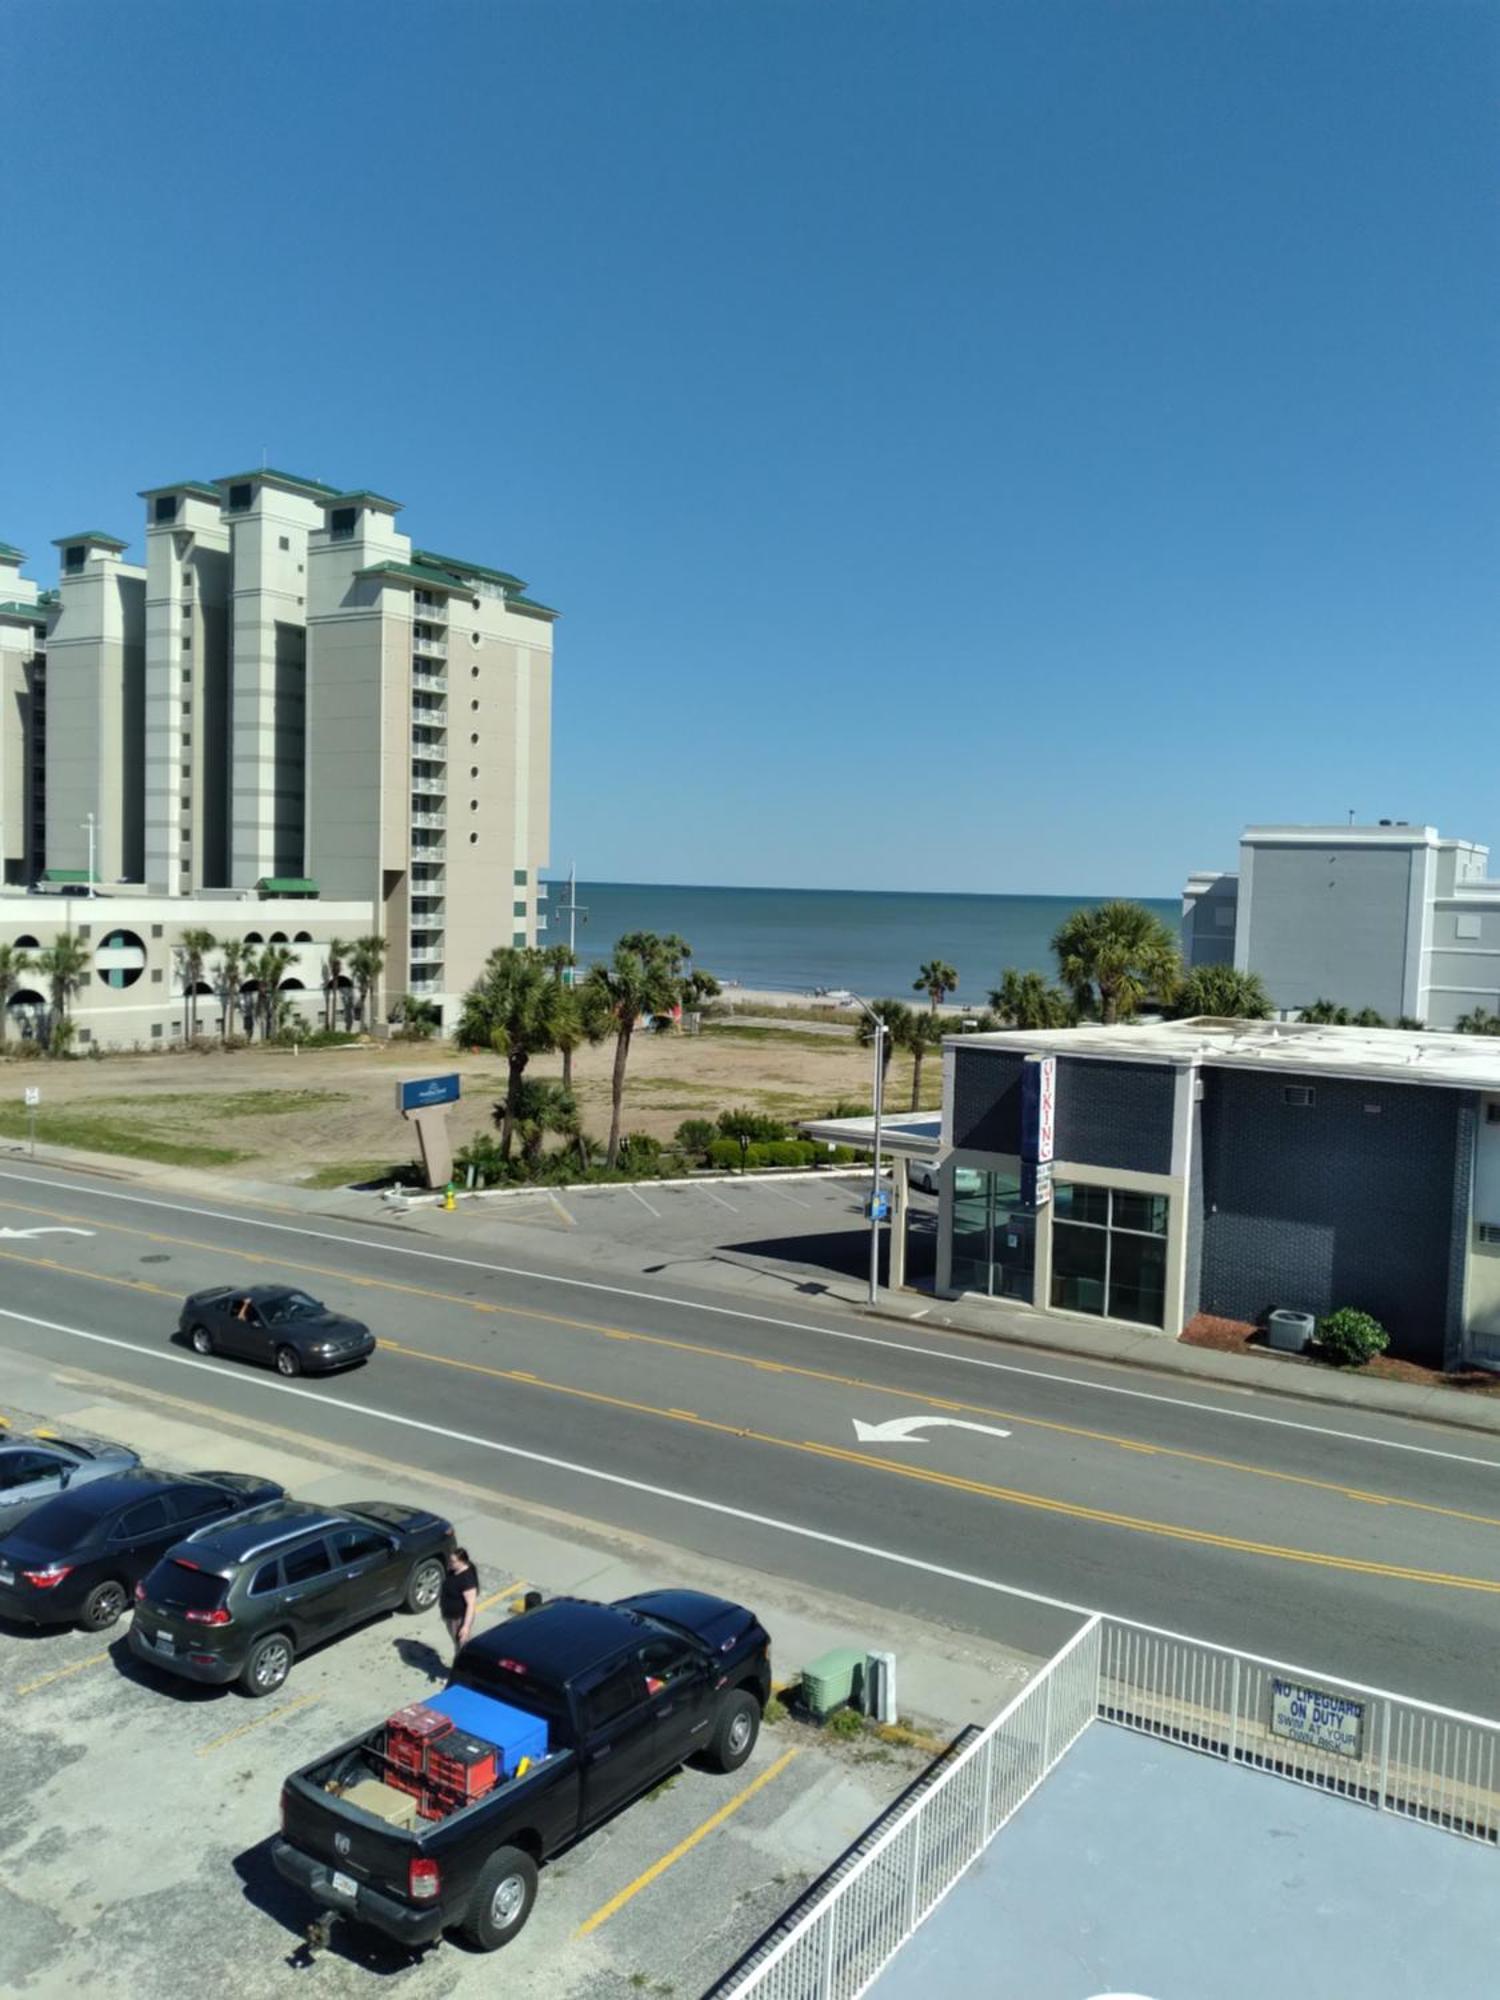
x=137 y=1816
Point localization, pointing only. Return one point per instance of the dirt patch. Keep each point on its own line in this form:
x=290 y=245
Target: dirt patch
x=325 y=1115
x=1235 y=1336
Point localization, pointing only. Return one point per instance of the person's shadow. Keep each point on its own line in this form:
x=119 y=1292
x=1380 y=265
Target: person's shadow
x=416 y=1653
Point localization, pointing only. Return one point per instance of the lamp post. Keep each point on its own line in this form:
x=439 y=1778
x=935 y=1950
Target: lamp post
x=89 y=829
x=881 y=1031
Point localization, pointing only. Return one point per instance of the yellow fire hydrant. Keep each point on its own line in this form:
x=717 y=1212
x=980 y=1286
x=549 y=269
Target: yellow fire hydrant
x=450 y=1201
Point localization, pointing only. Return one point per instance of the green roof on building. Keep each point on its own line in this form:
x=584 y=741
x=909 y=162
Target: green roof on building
x=281 y=479
x=34 y=614
x=11 y=554
x=91 y=535
x=68 y=875
x=199 y=486
x=376 y=499
x=287 y=885
x=412 y=572
x=529 y=608
x=469 y=569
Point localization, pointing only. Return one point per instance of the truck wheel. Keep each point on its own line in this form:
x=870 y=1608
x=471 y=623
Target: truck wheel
x=502 y=1900
x=735 y=1732
x=202 y=1339
x=425 y=1585
x=267 y=1665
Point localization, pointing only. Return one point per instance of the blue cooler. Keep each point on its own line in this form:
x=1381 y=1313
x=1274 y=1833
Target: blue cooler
x=514 y=1733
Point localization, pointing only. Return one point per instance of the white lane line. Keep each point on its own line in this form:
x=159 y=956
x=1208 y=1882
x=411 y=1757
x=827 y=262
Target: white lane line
x=644 y=1203
x=787 y=1197
x=720 y=1200
x=278 y=1387
x=405 y=1248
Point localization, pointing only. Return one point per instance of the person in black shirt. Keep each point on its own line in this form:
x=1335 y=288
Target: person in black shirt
x=459 y=1597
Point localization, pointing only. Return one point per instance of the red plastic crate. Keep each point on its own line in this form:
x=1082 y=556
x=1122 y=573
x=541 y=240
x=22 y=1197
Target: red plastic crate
x=410 y=1734
x=464 y=1765
x=407 y=1781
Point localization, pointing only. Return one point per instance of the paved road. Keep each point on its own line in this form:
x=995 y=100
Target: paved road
x=1366 y=1546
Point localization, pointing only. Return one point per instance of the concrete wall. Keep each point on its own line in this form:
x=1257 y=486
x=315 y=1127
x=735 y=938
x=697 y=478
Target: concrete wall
x=23 y=670
x=1463 y=966
x=1348 y=1201
x=96 y=717
x=1330 y=922
x=1483 y=1275
x=186 y=679
x=1115 y=1114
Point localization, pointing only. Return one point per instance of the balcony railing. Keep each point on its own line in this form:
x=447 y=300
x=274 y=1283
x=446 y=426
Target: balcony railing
x=433 y=645
x=427 y=675
x=431 y=748
x=425 y=819
x=438 y=851
x=427 y=954
x=432 y=611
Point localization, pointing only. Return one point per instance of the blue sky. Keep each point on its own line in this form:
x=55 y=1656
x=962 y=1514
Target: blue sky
x=995 y=446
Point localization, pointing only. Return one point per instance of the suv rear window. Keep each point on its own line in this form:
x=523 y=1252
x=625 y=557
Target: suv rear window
x=181 y=1583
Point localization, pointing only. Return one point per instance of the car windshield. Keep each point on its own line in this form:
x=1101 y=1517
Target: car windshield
x=294 y=1305
x=182 y=1583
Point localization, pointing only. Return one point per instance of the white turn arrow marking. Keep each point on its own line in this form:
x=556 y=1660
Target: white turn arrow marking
x=903 y=1430
x=47 y=1230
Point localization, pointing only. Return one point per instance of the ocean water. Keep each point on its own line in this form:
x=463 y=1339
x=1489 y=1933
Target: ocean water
x=797 y=939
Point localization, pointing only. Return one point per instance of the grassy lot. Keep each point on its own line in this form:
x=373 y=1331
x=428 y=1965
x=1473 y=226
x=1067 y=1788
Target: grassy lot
x=162 y=1126
x=784 y=1038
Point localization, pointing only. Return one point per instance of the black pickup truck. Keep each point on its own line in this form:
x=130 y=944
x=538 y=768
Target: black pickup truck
x=627 y=1691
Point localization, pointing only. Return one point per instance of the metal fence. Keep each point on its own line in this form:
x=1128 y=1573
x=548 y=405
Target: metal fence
x=887 y=1886
x=1433 y=1765
x=1428 y=1764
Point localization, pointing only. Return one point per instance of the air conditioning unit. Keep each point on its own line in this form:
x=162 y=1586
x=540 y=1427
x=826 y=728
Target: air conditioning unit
x=833 y=1681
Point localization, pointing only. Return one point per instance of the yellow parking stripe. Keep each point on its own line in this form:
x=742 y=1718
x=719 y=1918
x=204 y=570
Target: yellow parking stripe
x=62 y=1673
x=659 y=1868
x=257 y=1722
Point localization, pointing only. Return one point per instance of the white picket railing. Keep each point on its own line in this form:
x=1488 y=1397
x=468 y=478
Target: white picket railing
x=1432 y=1765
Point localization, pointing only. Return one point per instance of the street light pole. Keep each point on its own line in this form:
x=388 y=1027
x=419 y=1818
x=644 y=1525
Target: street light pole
x=89 y=828
x=881 y=1031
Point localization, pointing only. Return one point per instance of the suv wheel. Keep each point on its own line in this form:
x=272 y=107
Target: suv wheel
x=267 y=1665
x=734 y=1732
x=502 y=1900
x=104 y=1606
x=202 y=1339
x=288 y=1361
x=425 y=1585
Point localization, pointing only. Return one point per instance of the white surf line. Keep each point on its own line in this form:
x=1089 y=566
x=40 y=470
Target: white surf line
x=276 y=1386
x=404 y=1248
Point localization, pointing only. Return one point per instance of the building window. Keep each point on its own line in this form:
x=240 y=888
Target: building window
x=73 y=559
x=473 y=739
x=187 y=640
x=475 y=706
x=994 y=1236
x=120 y=958
x=1491 y=1111
x=1302 y=1095
x=284 y=542
x=518 y=909
x=341 y=522
x=520 y=878
x=473 y=840
x=1109 y=1253
x=156 y=1030
x=240 y=497
x=165 y=508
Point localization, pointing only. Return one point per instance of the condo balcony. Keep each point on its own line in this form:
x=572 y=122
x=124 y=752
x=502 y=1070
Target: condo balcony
x=427 y=954
x=428 y=745
x=434 y=644
x=428 y=819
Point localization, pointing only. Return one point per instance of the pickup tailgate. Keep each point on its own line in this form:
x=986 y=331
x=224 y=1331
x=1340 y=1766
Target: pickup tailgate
x=350 y=1841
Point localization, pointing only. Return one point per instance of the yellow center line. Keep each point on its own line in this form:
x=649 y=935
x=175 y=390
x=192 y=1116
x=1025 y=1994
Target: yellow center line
x=62 y=1673
x=659 y=1868
x=516 y=1589
x=827 y=1376
x=257 y=1722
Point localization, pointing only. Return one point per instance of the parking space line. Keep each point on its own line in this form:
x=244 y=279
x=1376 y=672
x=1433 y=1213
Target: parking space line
x=256 y=1722
x=518 y=1588
x=644 y=1203
x=659 y=1868
x=719 y=1199
x=776 y=1188
x=62 y=1673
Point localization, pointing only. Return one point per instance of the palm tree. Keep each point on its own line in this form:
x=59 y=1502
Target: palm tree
x=897 y=1019
x=1111 y=957
x=517 y=1007
x=560 y=959
x=366 y=963
x=643 y=975
x=926 y=1032
x=228 y=980
x=1479 y=1022
x=1326 y=1014
x=62 y=964
x=1025 y=1000
x=335 y=952
x=540 y=1107
x=192 y=954
x=1223 y=993
x=270 y=968
x=937 y=980
x=14 y=964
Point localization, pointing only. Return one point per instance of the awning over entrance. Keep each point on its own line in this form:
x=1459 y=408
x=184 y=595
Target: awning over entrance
x=914 y=1135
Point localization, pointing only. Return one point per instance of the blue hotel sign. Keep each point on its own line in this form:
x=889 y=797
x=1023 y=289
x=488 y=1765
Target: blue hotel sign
x=419 y=1093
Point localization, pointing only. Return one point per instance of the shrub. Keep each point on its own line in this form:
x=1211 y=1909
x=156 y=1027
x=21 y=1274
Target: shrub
x=1349 y=1338
x=640 y=1153
x=847 y=1107
x=696 y=1135
x=729 y=1154
x=483 y=1154
x=846 y=1722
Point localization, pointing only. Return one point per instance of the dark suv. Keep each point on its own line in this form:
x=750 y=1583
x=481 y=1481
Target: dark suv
x=76 y=1557
x=242 y=1600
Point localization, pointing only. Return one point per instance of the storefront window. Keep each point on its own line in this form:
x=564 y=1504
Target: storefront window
x=994 y=1237
x=1109 y=1253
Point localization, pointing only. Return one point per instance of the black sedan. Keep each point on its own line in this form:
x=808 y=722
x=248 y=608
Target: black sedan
x=276 y=1325
x=78 y=1558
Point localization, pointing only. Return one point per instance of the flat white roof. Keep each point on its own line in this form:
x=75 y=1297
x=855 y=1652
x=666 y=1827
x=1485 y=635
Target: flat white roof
x=1394 y=1055
x=915 y=1134
x=1390 y=833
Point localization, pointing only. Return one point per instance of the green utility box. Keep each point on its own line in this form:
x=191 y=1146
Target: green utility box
x=834 y=1680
